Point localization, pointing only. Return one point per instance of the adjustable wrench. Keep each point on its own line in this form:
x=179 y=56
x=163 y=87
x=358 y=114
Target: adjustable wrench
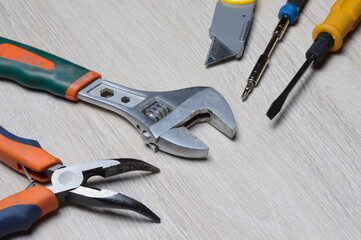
x=161 y=118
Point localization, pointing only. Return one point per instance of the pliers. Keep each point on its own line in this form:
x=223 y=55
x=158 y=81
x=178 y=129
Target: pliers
x=21 y=210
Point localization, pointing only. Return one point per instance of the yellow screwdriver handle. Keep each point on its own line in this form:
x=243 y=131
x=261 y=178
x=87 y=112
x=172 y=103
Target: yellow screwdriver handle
x=344 y=17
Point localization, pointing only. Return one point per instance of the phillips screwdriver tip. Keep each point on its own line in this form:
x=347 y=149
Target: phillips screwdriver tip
x=248 y=90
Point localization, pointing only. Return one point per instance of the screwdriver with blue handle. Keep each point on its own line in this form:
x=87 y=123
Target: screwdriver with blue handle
x=344 y=17
x=287 y=15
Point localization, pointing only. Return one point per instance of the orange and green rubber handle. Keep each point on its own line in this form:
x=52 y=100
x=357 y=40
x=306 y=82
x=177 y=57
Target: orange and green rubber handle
x=345 y=15
x=17 y=152
x=40 y=70
x=21 y=210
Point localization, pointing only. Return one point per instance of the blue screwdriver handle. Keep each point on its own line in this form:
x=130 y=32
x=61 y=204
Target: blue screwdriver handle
x=291 y=10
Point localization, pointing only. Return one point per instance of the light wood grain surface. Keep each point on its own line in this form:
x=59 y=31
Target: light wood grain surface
x=297 y=177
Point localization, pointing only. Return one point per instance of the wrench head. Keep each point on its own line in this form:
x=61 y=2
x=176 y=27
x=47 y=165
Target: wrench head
x=196 y=105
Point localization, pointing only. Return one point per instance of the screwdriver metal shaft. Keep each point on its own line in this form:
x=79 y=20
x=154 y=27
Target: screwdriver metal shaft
x=263 y=60
x=288 y=14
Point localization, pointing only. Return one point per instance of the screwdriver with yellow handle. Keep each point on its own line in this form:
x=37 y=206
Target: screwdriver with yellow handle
x=345 y=15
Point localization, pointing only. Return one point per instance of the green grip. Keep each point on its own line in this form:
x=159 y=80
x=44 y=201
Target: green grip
x=55 y=76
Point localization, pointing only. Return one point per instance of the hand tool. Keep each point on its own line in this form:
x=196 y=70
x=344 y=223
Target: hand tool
x=162 y=118
x=344 y=17
x=287 y=15
x=232 y=20
x=21 y=210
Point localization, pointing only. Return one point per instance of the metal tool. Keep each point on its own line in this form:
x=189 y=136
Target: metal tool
x=344 y=17
x=287 y=15
x=229 y=30
x=162 y=118
x=21 y=210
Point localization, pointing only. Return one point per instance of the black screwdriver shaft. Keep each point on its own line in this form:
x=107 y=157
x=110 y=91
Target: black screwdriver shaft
x=315 y=54
x=276 y=106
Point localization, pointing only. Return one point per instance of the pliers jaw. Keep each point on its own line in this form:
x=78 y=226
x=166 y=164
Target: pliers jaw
x=103 y=198
x=69 y=185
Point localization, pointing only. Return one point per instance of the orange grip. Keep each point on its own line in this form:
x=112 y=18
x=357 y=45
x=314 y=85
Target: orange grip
x=15 y=154
x=37 y=195
x=72 y=91
x=15 y=53
x=344 y=17
x=21 y=210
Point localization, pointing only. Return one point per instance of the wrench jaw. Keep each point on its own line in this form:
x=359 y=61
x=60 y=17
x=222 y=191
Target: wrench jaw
x=220 y=113
x=177 y=141
x=217 y=119
x=208 y=105
x=181 y=142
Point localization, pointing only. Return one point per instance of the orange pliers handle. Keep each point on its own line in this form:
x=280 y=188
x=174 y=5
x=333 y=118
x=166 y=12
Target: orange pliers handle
x=17 y=152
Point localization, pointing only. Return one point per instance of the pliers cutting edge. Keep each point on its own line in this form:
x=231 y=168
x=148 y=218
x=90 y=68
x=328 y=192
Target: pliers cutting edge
x=19 y=211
